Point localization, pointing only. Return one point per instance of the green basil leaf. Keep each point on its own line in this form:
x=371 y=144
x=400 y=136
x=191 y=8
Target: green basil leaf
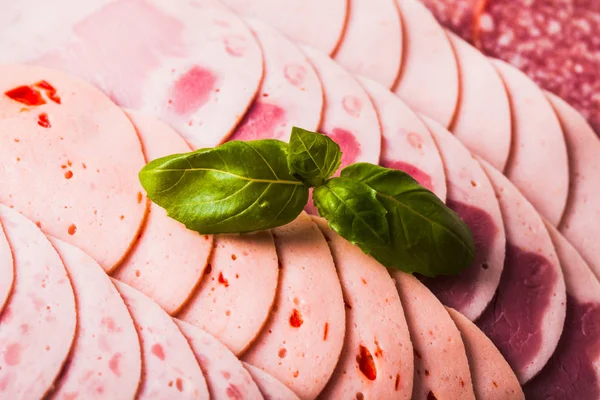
x=234 y=188
x=313 y=157
x=427 y=237
x=353 y=211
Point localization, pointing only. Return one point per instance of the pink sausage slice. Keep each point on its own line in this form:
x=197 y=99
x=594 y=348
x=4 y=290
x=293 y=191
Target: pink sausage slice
x=483 y=118
x=170 y=369
x=37 y=326
x=270 y=387
x=429 y=78
x=235 y=297
x=471 y=195
x=7 y=273
x=377 y=358
x=58 y=135
x=493 y=379
x=372 y=43
x=441 y=364
x=301 y=343
x=290 y=94
x=407 y=144
x=106 y=359
x=538 y=165
x=225 y=375
x=525 y=319
x=167 y=261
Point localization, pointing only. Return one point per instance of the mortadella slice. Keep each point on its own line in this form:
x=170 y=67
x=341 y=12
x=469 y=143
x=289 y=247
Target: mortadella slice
x=493 y=379
x=225 y=375
x=290 y=94
x=170 y=370
x=235 y=297
x=441 y=364
x=372 y=42
x=7 y=272
x=167 y=262
x=526 y=317
x=37 y=326
x=270 y=387
x=106 y=359
x=302 y=341
x=79 y=156
x=538 y=164
x=429 y=78
x=472 y=197
x=377 y=358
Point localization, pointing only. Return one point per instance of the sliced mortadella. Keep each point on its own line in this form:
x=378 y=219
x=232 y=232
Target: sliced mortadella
x=429 y=78
x=37 y=326
x=225 y=375
x=106 y=359
x=582 y=213
x=270 y=387
x=372 y=43
x=538 y=164
x=235 y=297
x=574 y=369
x=290 y=94
x=168 y=260
x=526 y=317
x=441 y=364
x=483 y=119
x=58 y=134
x=377 y=358
x=302 y=341
x=7 y=272
x=170 y=369
x=493 y=379
x=472 y=197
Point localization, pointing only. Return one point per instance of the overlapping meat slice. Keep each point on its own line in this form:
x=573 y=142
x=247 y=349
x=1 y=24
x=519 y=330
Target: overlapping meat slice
x=7 y=272
x=270 y=387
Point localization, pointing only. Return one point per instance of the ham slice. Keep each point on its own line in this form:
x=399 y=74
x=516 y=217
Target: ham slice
x=7 y=273
x=270 y=387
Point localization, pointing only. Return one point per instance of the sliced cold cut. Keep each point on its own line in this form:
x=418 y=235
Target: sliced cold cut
x=526 y=317
x=301 y=343
x=7 y=273
x=37 y=327
x=457 y=15
x=270 y=387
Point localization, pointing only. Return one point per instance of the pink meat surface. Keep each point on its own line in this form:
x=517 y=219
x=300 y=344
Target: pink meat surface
x=7 y=272
x=458 y=15
x=270 y=387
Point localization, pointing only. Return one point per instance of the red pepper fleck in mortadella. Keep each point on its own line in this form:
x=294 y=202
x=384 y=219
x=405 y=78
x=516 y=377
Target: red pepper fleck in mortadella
x=366 y=363
x=296 y=319
x=26 y=95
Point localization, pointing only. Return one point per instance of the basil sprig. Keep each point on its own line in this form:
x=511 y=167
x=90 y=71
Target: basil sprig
x=250 y=186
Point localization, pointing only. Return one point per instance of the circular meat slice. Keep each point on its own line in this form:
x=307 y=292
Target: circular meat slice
x=290 y=94
x=37 y=326
x=429 y=78
x=7 y=272
x=106 y=360
x=270 y=387
x=225 y=375
x=377 y=358
x=235 y=296
x=194 y=66
x=472 y=197
x=167 y=262
x=314 y=22
x=406 y=144
x=170 y=369
x=457 y=15
x=301 y=343
x=493 y=379
x=441 y=364
x=372 y=43
x=80 y=157
x=525 y=319
x=580 y=220
x=483 y=120
x=538 y=164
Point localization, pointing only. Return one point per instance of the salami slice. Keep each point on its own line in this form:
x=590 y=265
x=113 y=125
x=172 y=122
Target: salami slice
x=106 y=360
x=538 y=149
x=37 y=327
x=377 y=358
x=270 y=387
x=372 y=42
x=235 y=297
x=301 y=343
x=472 y=197
x=436 y=344
x=225 y=375
x=7 y=273
x=58 y=135
x=290 y=94
x=457 y=15
x=526 y=317
x=429 y=78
